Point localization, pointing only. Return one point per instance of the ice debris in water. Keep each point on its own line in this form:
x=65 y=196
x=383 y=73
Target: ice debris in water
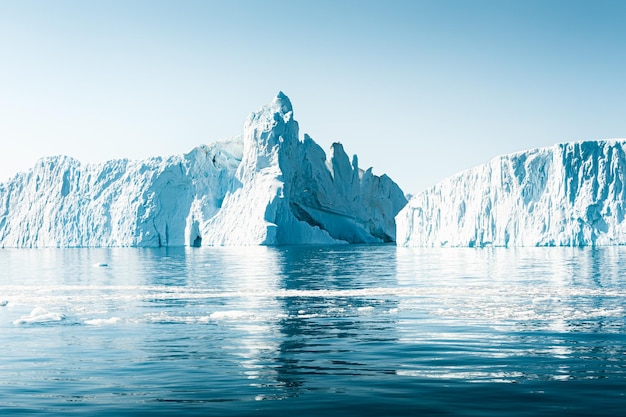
x=103 y=322
x=39 y=315
x=231 y=315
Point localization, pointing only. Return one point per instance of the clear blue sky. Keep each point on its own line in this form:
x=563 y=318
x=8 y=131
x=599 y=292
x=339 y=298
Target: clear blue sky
x=418 y=89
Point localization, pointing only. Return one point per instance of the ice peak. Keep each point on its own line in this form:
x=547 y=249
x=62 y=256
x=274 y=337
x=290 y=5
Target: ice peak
x=283 y=101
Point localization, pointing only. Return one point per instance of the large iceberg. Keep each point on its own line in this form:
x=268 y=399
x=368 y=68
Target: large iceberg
x=266 y=187
x=571 y=194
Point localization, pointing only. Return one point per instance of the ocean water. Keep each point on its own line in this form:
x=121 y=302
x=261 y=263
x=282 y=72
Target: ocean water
x=308 y=331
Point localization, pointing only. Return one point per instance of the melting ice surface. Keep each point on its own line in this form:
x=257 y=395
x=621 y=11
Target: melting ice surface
x=348 y=330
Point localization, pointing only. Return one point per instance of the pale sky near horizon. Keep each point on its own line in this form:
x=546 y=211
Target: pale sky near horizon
x=417 y=89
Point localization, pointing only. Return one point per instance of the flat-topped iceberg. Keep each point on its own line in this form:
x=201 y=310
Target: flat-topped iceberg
x=571 y=194
x=266 y=187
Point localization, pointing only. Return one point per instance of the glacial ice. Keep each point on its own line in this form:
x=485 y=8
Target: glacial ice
x=571 y=194
x=266 y=187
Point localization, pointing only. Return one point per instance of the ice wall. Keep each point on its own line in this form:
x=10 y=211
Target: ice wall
x=571 y=194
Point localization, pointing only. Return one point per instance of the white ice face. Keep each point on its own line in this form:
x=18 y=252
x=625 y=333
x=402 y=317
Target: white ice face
x=571 y=194
x=265 y=187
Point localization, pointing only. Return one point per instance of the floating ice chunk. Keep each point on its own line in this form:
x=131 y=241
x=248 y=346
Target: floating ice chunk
x=39 y=315
x=103 y=322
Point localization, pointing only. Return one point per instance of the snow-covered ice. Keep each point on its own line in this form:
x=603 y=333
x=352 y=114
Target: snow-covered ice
x=266 y=187
x=571 y=194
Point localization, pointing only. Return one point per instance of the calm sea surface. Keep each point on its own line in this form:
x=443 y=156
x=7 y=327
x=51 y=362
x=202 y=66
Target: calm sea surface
x=307 y=331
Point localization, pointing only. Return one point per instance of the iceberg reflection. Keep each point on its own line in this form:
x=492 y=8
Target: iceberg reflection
x=526 y=310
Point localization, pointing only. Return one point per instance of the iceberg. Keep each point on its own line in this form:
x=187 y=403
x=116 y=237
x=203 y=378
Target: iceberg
x=265 y=187
x=570 y=194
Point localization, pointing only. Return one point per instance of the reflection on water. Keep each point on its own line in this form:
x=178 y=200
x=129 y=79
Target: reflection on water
x=329 y=334
x=521 y=314
x=356 y=330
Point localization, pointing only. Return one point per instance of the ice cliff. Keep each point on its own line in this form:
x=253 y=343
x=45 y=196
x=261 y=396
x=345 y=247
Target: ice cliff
x=571 y=194
x=267 y=187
